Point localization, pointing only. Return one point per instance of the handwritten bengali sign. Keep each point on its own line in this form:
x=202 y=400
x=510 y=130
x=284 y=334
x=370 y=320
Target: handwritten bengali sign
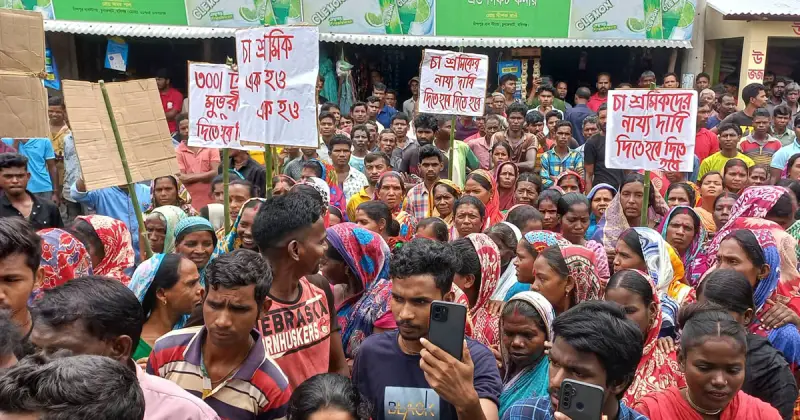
x=453 y=83
x=651 y=129
x=278 y=68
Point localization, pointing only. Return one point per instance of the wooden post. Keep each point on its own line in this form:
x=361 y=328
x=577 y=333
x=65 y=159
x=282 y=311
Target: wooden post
x=646 y=198
x=226 y=178
x=131 y=185
x=452 y=148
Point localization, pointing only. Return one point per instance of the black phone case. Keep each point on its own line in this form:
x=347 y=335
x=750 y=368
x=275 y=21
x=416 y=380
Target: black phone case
x=580 y=401
x=447 y=332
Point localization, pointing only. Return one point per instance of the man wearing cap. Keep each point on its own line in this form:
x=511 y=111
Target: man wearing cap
x=410 y=105
x=171 y=99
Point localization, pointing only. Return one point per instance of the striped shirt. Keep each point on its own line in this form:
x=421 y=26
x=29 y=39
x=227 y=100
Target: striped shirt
x=418 y=201
x=258 y=390
x=541 y=409
x=553 y=165
x=760 y=153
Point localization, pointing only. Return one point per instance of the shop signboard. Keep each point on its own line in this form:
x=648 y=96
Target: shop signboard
x=45 y=7
x=160 y=12
x=632 y=19
x=651 y=129
x=278 y=68
x=452 y=83
x=503 y=18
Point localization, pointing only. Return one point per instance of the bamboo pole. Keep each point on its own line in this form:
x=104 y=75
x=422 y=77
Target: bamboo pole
x=137 y=208
x=226 y=178
x=269 y=165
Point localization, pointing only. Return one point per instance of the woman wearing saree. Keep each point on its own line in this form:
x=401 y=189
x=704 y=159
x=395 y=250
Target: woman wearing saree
x=775 y=283
x=481 y=184
x=160 y=225
x=658 y=369
x=168 y=191
x=713 y=385
x=336 y=195
x=600 y=198
x=358 y=260
x=505 y=177
x=566 y=276
x=478 y=277
x=116 y=255
x=683 y=230
x=525 y=324
x=570 y=181
x=443 y=199
x=528 y=249
x=391 y=189
x=645 y=250
x=64 y=258
x=755 y=204
x=710 y=188
x=625 y=211
x=241 y=233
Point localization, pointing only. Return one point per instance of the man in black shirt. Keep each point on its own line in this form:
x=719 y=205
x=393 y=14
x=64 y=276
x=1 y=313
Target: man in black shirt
x=249 y=169
x=754 y=96
x=594 y=157
x=18 y=201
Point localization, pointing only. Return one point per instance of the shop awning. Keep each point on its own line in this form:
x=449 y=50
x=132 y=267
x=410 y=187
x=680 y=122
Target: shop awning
x=757 y=10
x=189 y=32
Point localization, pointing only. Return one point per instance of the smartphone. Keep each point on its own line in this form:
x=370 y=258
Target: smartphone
x=447 y=324
x=580 y=401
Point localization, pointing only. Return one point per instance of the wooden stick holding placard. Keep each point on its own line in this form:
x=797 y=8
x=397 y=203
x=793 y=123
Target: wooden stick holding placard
x=646 y=198
x=226 y=178
x=269 y=164
x=131 y=185
x=452 y=139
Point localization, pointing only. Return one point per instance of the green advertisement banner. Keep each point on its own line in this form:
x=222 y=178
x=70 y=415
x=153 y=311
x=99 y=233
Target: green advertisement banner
x=575 y=19
x=632 y=19
x=503 y=18
x=161 y=12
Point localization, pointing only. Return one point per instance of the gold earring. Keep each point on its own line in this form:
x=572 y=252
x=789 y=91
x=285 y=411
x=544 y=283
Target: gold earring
x=164 y=302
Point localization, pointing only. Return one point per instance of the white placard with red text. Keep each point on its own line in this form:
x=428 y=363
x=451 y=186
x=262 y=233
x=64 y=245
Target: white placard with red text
x=453 y=83
x=278 y=69
x=651 y=129
x=214 y=107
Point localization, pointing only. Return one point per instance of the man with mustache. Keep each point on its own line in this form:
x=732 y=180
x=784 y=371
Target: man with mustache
x=401 y=368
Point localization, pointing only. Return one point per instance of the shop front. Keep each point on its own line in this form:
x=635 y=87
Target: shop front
x=745 y=42
x=570 y=40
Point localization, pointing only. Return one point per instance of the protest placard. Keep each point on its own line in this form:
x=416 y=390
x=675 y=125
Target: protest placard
x=23 y=98
x=453 y=83
x=214 y=107
x=142 y=127
x=651 y=129
x=278 y=69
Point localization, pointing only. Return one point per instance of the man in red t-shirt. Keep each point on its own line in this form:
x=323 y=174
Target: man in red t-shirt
x=601 y=96
x=300 y=329
x=706 y=142
x=171 y=99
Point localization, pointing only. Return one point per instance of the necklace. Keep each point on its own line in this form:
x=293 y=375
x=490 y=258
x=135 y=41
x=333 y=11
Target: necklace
x=698 y=409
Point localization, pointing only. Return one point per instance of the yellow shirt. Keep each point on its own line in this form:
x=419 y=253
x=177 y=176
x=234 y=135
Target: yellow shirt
x=355 y=201
x=716 y=162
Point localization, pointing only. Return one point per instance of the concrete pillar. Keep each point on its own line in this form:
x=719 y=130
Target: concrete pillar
x=754 y=59
x=693 y=59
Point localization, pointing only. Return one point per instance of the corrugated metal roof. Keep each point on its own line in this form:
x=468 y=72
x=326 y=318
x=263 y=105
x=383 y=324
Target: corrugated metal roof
x=163 y=31
x=761 y=7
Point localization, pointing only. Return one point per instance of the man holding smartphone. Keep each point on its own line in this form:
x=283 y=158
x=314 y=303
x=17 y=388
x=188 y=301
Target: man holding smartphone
x=595 y=344
x=403 y=374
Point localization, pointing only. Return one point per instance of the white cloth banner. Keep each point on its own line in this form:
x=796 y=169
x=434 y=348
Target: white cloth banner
x=651 y=129
x=278 y=69
x=453 y=83
x=214 y=107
